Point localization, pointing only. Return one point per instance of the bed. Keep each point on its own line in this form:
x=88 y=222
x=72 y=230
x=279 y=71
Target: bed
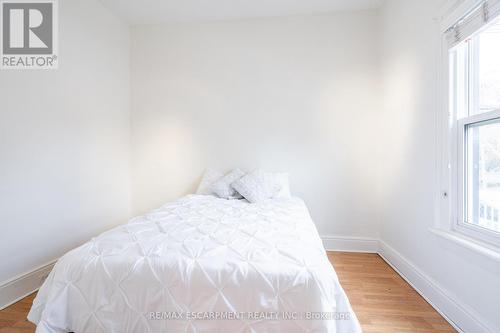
x=199 y=264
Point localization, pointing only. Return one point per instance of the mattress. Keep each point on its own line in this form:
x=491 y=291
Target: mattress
x=199 y=264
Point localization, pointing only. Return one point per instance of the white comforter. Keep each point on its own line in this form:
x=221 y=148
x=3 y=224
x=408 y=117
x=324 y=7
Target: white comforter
x=199 y=264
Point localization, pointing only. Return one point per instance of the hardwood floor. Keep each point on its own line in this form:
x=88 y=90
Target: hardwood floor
x=13 y=319
x=382 y=300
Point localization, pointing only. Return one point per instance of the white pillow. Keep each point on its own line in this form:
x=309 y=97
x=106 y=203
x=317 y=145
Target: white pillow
x=257 y=186
x=223 y=188
x=209 y=177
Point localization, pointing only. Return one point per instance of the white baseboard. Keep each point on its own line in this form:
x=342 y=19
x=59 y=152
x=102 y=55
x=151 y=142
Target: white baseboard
x=24 y=285
x=459 y=315
x=350 y=244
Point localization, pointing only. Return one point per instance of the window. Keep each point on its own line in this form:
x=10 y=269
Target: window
x=475 y=107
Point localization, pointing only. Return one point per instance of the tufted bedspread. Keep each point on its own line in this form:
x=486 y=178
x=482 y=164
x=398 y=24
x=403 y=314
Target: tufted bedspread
x=199 y=264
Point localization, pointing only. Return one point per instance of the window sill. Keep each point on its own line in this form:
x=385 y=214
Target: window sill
x=464 y=241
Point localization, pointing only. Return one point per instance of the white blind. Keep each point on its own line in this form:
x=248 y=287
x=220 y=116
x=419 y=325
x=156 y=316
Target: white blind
x=474 y=20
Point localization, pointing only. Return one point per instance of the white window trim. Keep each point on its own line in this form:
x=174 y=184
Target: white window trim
x=447 y=213
x=466 y=242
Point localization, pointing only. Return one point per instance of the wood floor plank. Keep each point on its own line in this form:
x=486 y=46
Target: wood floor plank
x=13 y=319
x=382 y=300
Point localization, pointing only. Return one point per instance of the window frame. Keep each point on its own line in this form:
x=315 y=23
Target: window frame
x=453 y=157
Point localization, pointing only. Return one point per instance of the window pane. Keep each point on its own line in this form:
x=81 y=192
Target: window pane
x=489 y=69
x=483 y=174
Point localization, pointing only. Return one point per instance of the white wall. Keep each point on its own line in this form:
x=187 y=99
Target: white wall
x=64 y=142
x=297 y=94
x=411 y=63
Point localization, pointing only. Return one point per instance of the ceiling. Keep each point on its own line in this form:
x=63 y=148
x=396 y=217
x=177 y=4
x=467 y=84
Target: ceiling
x=166 y=11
